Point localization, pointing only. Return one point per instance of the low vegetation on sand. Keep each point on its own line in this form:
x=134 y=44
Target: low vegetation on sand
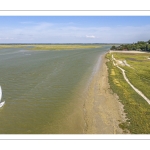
x=12 y=46
x=53 y=46
x=138 y=72
x=64 y=47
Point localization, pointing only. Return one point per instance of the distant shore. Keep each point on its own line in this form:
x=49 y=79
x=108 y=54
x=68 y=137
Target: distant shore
x=104 y=111
x=52 y=46
x=126 y=51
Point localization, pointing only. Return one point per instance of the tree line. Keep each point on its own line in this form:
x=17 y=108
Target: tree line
x=139 y=46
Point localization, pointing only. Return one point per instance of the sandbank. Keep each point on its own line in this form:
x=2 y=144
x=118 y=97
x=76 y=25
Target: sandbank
x=103 y=111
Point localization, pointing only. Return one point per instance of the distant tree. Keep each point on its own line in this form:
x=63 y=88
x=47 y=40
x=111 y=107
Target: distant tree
x=141 y=42
x=147 y=47
x=113 y=47
x=143 y=47
x=148 y=41
x=140 y=45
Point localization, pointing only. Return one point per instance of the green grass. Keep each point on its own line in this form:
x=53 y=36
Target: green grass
x=53 y=46
x=136 y=108
x=12 y=46
x=64 y=47
x=140 y=75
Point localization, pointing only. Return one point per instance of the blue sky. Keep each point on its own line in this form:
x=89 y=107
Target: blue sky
x=74 y=29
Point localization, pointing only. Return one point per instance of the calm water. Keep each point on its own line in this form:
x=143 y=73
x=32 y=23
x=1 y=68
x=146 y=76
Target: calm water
x=43 y=90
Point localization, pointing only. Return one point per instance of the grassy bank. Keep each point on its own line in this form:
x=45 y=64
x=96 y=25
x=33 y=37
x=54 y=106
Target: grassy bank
x=63 y=47
x=53 y=46
x=136 y=108
x=12 y=46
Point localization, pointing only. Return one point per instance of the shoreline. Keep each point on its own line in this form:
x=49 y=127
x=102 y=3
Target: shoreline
x=104 y=112
x=111 y=51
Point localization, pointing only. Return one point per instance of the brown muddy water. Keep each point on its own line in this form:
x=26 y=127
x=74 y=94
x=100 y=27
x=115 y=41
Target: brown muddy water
x=43 y=90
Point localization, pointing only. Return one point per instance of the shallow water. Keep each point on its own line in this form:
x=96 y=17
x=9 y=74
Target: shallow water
x=43 y=90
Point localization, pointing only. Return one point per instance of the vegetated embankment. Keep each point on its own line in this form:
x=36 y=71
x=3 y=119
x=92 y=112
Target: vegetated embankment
x=136 y=107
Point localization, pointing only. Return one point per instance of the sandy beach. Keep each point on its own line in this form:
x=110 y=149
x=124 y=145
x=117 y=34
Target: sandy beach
x=103 y=111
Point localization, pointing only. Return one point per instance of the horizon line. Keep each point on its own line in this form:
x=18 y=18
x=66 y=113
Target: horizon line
x=57 y=43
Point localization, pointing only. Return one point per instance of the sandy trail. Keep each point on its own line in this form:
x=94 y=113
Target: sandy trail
x=127 y=80
x=103 y=110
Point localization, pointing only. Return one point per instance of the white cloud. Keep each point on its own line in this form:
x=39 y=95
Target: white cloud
x=49 y=32
x=90 y=36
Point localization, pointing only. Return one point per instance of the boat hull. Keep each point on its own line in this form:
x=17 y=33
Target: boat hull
x=2 y=104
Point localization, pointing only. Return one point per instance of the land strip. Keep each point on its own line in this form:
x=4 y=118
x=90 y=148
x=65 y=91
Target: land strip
x=52 y=46
x=136 y=108
x=104 y=112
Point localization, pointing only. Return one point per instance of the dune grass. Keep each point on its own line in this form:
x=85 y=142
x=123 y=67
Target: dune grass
x=136 y=108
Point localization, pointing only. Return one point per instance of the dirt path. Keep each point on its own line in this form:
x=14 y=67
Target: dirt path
x=127 y=80
x=103 y=110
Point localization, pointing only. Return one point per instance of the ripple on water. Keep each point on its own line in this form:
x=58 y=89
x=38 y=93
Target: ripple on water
x=42 y=91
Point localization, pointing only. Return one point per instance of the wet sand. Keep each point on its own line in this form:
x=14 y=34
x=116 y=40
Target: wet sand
x=103 y=111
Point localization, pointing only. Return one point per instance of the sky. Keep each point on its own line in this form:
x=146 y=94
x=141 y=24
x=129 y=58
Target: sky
x=74 y=29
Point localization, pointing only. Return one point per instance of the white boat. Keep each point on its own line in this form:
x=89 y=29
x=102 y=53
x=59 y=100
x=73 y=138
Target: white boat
x=1 y=103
